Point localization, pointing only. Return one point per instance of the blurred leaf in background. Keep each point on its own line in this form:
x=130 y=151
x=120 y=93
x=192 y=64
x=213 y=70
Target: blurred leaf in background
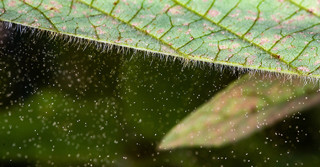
x=246 y=106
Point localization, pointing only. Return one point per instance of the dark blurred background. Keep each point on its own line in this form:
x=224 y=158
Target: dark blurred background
x=61 y=104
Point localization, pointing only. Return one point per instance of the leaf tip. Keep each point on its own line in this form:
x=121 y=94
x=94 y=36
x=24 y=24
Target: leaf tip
x=165 y=145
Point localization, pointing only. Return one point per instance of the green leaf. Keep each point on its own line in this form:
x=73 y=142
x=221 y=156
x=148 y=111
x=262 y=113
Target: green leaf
x=241 y=109
x=272 y=35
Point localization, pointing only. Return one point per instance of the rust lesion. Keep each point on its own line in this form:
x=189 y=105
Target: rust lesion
x=311 y=11
x=55 y=9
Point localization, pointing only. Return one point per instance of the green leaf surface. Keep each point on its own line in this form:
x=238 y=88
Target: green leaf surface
x=272 y=35
x=246 y=106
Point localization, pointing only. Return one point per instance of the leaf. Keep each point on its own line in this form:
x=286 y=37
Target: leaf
x=271 y=35
x=241 y=109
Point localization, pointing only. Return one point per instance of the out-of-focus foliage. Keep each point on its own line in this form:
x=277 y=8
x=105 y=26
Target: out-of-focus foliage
x=246 y=106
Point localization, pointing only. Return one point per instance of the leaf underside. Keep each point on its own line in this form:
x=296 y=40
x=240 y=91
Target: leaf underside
x=272 y=35
x=246 y=106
